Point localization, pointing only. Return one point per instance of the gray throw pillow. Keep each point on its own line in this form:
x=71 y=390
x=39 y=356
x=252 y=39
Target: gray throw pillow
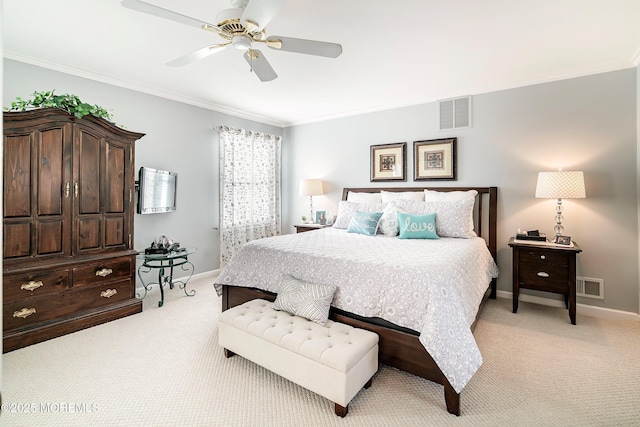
x=309 y=300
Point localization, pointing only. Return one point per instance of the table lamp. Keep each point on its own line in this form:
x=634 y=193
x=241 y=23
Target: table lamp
x=311 y=187
x=560 y=185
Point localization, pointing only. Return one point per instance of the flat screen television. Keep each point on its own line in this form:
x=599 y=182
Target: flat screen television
x=156 y=191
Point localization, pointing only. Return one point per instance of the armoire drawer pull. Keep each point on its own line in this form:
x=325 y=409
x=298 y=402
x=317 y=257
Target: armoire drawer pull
x=25 y=312
x=31 y=285
x=108 y=293
x=543 y=257
x=104 y=272
x=543 y=274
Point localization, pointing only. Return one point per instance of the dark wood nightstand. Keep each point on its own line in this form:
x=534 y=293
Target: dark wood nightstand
x=545 y=267
x=301 y=228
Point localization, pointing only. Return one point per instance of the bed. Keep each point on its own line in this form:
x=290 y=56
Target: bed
x=428 y=293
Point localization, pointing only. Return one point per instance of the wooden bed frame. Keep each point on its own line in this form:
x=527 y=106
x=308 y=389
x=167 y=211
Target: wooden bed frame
x=400 y=347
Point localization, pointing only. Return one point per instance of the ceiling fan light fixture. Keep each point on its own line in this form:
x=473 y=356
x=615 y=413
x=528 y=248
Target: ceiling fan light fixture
x=241 y=42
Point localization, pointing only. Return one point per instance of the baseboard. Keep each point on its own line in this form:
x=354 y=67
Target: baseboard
x=587 y=310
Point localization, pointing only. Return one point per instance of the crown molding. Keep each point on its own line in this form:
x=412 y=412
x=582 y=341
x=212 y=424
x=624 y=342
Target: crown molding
x=143 y=89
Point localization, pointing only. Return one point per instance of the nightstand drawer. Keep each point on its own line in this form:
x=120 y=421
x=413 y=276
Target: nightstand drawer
x=544 y=256
x=544 y=277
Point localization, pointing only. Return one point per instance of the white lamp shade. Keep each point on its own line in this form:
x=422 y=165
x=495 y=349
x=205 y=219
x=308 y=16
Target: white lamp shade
x=311 y=187
x=560 y=185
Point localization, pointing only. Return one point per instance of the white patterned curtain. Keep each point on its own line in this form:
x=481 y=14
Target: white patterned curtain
x=249 y=188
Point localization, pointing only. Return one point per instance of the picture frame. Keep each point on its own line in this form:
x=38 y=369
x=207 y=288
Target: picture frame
x=389 y=162
x=563 y=240
x=321 y=217
x=435 y=159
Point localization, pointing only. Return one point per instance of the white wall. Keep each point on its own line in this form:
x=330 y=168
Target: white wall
x=587 y=123
x=179 y=138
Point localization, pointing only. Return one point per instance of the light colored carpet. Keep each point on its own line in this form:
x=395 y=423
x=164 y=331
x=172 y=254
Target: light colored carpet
x=163 y=367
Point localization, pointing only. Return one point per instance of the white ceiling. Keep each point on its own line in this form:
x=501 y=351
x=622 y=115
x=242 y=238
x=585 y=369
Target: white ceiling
x=395 y=53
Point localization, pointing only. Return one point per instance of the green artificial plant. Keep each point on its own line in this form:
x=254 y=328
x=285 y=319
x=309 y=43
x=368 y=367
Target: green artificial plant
x=69 y=103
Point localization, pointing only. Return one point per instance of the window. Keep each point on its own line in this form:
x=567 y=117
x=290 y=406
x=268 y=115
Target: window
x=249 y=188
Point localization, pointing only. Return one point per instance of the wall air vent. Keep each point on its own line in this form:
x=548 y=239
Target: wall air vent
x=454 y=113
x=589 y=287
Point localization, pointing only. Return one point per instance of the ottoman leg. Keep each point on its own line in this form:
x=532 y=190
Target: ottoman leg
x=368 y=384
x=228 y=353
x=341 y=411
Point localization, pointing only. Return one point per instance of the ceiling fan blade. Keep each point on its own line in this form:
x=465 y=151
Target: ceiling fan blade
x=309 y=47
x=260 y=65
x=150 y=9
x=197 y=54
x=259 y=13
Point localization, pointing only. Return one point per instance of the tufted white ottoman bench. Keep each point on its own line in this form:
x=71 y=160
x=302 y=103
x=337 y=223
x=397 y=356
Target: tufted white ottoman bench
x=334 y=360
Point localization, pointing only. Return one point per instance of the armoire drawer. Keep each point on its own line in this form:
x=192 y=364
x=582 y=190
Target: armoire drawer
x=20 y=286
x=71 y=302
x=104 y=271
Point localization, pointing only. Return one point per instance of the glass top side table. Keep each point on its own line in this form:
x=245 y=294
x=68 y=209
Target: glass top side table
x=164 y=262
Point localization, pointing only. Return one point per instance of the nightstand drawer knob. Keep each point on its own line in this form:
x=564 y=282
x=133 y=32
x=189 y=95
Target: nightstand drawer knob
x=543 y=274
x=543 y=257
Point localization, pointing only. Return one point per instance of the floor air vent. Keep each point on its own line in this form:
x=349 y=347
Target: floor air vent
x=589 y=287
x=455 y=113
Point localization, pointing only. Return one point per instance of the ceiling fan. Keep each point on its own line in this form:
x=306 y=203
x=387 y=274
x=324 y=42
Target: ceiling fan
x=242 y=26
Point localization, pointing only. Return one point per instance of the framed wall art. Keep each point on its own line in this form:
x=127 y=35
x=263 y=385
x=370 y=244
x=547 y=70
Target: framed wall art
x=389 y=162
x=435 y=159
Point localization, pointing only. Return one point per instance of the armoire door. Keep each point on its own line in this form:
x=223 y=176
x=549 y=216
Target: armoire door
x=102 y=171
x=37 y=192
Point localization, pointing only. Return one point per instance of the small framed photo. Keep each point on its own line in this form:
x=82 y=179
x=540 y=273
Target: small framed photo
x=388 y=162
x=563 y=240
x=321 y=217
x=435 y=159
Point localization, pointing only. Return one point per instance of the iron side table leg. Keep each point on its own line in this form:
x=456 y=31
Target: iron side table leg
x=161 y=285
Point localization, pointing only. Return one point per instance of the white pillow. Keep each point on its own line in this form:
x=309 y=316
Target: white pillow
x=388 y=224
x=449 y=196
x=363 y=197
x=414 y=207
x=346 y=209
x=453 y=218
x=388 y=196
x=389 y=221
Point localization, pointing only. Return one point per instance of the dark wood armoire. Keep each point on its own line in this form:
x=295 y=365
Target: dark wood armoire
x=68 y=260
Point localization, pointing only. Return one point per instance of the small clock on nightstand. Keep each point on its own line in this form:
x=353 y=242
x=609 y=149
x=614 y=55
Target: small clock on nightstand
x=545 y=267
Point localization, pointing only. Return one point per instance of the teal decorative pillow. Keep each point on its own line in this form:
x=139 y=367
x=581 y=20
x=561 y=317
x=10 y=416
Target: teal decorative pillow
x=417 y=226
x=364 y=223
x=309 y=300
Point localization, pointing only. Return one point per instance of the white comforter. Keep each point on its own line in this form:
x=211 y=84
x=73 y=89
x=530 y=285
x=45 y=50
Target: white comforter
x=431 y=286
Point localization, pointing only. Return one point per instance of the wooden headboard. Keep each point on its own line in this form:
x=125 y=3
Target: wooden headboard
x=485 y=213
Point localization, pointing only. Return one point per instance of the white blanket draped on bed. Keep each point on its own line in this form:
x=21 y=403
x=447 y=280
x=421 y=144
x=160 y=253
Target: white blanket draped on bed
x=431 y=286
